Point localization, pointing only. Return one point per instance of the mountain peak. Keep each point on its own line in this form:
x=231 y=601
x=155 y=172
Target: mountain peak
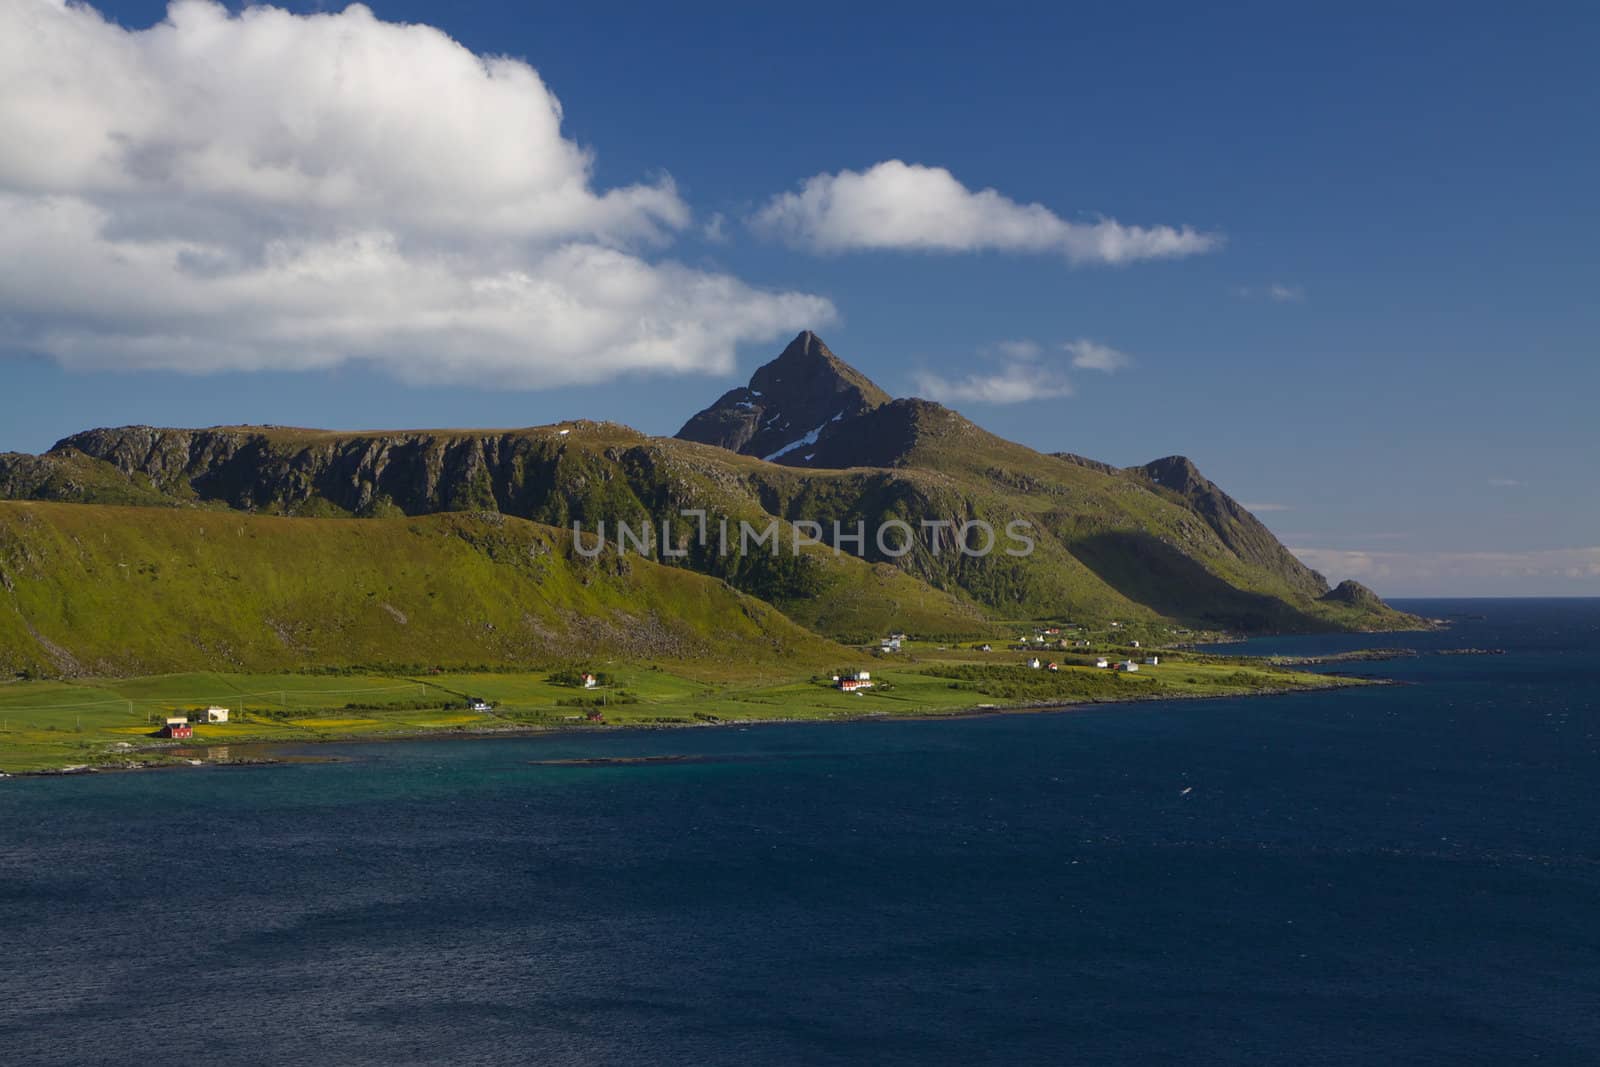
x=790 y=404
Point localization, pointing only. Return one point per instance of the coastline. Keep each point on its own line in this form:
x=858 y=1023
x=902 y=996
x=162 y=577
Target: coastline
x=261 y=753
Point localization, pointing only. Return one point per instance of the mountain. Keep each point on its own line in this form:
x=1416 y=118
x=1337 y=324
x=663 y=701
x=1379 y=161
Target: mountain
x=1242 y=532
x=1144 y=543
x=789 y=405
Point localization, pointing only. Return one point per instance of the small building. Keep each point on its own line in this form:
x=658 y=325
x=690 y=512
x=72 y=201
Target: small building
x=178 y=728
x=1128 y=665
x=1153 y=661
x=985 y=648
x=215 y=714
x=856 y=681
x=479 y=704
x=1135 y=644
x=897 y=637
x=595 y=715
x=1102 y=662
x=1052 y=666
x=1034 y=663
x=590 y=681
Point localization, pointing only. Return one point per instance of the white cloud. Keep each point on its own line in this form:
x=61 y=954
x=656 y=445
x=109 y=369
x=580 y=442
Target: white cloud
x=1091 y=355
x=1019 y=351
x=896 y=205
x=1278 y=292
x=269 y=190
x=1023 y=373
x=1012 y=384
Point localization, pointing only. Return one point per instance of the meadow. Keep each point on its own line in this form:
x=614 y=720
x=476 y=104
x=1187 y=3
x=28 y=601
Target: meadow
x=113 y=722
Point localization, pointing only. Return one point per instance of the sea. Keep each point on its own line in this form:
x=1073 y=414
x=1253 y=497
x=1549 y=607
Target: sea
x=1406 y=874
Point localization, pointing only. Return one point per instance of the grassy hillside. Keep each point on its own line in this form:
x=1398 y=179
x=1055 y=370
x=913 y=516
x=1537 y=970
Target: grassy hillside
x=102 y=590
x=1158 y=542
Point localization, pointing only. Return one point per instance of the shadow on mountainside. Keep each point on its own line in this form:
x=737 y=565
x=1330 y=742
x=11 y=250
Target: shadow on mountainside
x=1150 y=572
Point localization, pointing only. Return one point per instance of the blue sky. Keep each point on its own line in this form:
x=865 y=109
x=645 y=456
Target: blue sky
x=1388 y=345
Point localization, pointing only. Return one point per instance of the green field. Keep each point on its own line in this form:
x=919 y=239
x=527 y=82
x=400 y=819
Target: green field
x=111 y=722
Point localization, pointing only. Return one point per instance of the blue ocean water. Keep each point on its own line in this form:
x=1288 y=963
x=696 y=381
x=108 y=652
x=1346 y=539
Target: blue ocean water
x=1406 y=874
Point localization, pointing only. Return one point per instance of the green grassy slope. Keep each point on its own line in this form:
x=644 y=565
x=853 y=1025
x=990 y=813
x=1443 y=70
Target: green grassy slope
x=89 y=589
x=1110 y=544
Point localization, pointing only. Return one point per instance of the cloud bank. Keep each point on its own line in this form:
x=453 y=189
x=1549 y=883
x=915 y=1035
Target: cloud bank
x=1552 y=571
x=907 y=206
x=269 y=190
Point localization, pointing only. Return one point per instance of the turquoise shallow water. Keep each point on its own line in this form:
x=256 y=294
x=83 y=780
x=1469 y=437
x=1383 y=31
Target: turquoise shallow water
x=1405 y=874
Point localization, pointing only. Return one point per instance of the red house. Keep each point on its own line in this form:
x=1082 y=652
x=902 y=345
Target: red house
x=178 y=729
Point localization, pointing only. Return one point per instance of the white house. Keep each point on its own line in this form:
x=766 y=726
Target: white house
x=216 y=715
x=1153 y=661
x=1034 y=663
x=1135 y=644
x=590 y=681
x=480 y=704
x=1102 y=662
x=1128 y=665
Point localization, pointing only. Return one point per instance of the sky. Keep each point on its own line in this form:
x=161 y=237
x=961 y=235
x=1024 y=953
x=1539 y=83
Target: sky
x=1341 y=256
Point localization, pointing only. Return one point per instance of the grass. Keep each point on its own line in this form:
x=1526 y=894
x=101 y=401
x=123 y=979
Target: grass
x=90 y=590
x=48 y=725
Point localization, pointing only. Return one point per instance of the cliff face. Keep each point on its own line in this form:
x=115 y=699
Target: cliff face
x=410 y=472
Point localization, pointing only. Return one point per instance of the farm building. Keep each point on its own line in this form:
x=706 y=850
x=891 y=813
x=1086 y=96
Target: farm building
x=856 y=681
x=590 y=681
x=479 y=704
x=1128 y=665
x=1102 y=662
x=177 y=727
x=215 y=714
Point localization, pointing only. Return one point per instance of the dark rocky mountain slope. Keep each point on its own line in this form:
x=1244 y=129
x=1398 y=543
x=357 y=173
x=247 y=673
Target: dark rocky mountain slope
x=789 y=405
